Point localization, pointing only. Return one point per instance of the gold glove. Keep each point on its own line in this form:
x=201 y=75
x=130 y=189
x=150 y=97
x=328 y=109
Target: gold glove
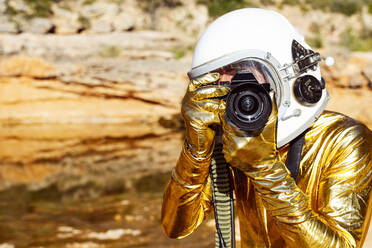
x=200 y=110
x=186 y=197
x=247 y=150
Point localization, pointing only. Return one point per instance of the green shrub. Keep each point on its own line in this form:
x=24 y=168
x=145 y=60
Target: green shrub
x=370 y=8
x=304 y=8
x=267 y=2
x=11 y=11
x=220 y=7
x=40 y=8
x=318 y=4
x=118 y=2
x=314 y=28
x=180 y=52
x=291 y=2
x=88 y=2
x=85 y=22
x=110 y=52
x=151 y=5
x=347 y=38
x=346 y=7
x=356 y=43
x=315 y=42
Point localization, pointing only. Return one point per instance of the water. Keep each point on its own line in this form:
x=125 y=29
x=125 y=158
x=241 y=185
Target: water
x=78 y=186
x=117 y=220
x=82 y=186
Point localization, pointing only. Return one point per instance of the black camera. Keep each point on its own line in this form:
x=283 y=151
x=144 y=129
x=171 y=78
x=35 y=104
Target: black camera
x=248 y=104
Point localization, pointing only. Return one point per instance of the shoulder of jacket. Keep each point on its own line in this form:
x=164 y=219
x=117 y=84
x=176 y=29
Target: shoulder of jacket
x=339 y=121
x=337 y=127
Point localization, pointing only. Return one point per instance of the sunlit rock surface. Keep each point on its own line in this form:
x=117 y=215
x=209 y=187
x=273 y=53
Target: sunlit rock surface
x=90 y=128
x=91 y=120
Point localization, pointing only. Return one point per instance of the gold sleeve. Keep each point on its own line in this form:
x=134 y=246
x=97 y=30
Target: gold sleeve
x=339 y=217
x=187 y=197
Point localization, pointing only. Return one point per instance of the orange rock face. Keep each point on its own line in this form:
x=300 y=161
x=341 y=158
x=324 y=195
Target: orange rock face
x=28 y=67
x=350 y=87
x=115 y=116
x=53 y=129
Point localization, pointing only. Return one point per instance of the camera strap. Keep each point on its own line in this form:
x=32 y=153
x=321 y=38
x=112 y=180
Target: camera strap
x=294 y=154
x=223 y=200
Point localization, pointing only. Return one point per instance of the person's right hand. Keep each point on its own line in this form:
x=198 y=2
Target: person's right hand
x=200 y=110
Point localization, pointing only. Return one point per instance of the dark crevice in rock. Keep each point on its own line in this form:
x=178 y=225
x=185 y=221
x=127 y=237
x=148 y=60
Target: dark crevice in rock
x=80 y=30
x=102 y=140
x=112 y=81
x=130 y=95
x=51 y=77
x=88 y=85
x=109 y=140
x=52 y=30
x=369 y=81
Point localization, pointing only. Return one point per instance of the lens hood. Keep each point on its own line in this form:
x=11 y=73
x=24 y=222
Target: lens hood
x=248 y=105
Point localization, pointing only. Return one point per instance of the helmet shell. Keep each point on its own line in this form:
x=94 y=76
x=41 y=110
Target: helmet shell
x=252 y=33
x=249 y=28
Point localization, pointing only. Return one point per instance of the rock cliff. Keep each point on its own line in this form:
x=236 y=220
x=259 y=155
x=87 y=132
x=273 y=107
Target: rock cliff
x=90 y=94
x=103 y=101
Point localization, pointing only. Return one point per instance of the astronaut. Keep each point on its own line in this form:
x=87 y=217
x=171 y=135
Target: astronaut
x=323 y=200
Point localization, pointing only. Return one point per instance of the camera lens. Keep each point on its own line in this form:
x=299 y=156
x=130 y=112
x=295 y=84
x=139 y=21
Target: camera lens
x=248 y=105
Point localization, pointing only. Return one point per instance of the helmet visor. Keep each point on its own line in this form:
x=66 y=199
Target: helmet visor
x=261 y=70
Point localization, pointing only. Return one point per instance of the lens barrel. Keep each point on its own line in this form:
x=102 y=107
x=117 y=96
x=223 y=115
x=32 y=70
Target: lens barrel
x=248 y=104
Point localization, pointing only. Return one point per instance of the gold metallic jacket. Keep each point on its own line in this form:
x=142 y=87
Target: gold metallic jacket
x=327 y=206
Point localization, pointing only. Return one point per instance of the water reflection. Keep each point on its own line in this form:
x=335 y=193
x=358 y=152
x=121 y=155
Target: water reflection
x=88 y=186
x=132 y=219
x=77 y=185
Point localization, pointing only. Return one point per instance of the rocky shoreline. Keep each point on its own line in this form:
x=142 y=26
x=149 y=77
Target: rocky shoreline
x=89 y=115
x=67 y=110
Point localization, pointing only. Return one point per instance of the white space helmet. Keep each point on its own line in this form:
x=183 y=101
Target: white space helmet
x=265 y=39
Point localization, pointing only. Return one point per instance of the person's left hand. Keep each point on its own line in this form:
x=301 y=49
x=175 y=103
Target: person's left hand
x=248 y=151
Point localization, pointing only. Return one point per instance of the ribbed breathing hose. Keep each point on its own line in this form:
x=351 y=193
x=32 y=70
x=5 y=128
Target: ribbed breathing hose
x=222 y=199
